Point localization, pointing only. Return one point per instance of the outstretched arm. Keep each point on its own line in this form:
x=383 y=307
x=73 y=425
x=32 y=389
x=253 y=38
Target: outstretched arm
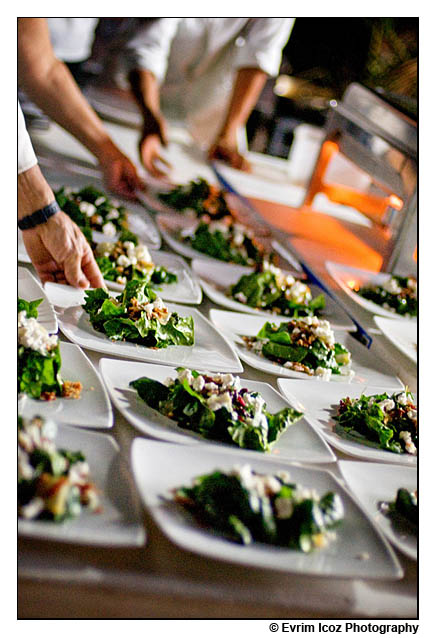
x=51 y=86
x=247 y=87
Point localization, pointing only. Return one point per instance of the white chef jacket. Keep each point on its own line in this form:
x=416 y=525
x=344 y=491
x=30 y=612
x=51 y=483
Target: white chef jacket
x=195 y=60
x=26 y=154
x=72 y=38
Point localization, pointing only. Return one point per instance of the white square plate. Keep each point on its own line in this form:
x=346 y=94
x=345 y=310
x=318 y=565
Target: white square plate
x=376 y=483
x=93 y=408
x=402 y=334
x=210 y=348
x=119 y=523
x=160 y=467
x=30 y=289
x=320 y=404
x=299 y=442
x=185 y=290
x=217 y=278
x=349 y=278
x=367 y=367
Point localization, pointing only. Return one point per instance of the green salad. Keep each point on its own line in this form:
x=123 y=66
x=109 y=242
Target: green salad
x=304 y=345
x=386 y=421
x=199 y=197
x=39 y=358
x=271 y=289
x=92 y=210
x=397 y=294
x=217 y=407
x=226 y=240
x=249 y=507
x=53 y=484
x=137 y=315
x=405 y=506
x=127 y=259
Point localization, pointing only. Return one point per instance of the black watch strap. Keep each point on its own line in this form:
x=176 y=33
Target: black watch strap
x=39 y=216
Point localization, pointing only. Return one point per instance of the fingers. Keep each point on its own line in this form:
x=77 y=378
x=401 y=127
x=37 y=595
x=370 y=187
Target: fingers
x=92 y=271
x=73 y=271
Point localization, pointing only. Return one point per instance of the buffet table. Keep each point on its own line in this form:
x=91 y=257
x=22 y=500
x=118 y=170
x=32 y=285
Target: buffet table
x=158 y=579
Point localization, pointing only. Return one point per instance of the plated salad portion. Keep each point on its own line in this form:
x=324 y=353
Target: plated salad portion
x=405 y=507
x=304 y=345
x=127 y=259
x=91 y=209
x=198 y=198
x=248 y=507
x=53 y=484
x=385 y=421
x=39 y=358
x=224 y=239
x=397 y=294
x=269 y=288
x=217 y=407
x=137 y=315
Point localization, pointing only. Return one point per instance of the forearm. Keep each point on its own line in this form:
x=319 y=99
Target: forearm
x=57 y=94
x=33 y=192
x=145 y=88
x=247 y=88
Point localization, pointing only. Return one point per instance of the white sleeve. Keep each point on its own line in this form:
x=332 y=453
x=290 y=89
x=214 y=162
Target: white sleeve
x=26 y=155
x=262 y=46
x=150 y=48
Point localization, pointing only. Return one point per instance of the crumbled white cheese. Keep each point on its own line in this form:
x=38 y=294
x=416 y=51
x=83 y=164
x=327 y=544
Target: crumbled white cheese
x=33 y=335
x=113 y=214
x=323 y=373
x=409 y=445
x=87 y=208
x=392 y=286
x=217 y=401
x=198 y=383
x=386 y=405
x=109 y=229
x=99 y=201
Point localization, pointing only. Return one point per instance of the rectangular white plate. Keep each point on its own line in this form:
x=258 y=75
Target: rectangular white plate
x=402 y=334
x=217 y=278
x=185 y=290
x=349 y=278
x=119 y=523
x=320 y=405
x=160 y=467
x=93 y=408
x=367 y=367
x=210 y=349
x=299 y=443
x=376 y=483
x=30 y=289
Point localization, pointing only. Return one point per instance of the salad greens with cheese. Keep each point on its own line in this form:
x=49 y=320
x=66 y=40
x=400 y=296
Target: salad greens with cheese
x=226 y=240
x=217 y=407
x=385 y=421
x=248 y=507
x=397 y=294
x=305 y=345
x=405 y=506
x=137 y=315
x=199 y=197
x=126 y=259
x=91 y=209
x=39 y=358
x=53 y=484
x=271 y=289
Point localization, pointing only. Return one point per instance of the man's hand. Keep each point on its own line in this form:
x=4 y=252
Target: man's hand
x=227 y=152
x=59 y=252
x=153 y=138
x=119 y=173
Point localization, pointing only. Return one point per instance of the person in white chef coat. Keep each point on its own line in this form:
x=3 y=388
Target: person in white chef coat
x=206 y=72
x=56 y=246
